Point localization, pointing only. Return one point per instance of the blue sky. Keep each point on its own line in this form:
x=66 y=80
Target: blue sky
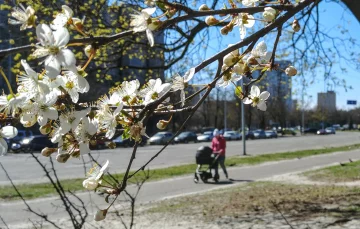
x=332 y=15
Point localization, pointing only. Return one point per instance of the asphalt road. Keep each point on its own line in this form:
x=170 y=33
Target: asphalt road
x=22 y=168
x=16 y=215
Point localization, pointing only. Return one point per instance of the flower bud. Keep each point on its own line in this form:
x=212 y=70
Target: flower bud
x=204 y=7
x=295 y=25
x=211 y=20
x=89 y=50
x=229 y=59
x=269 y=14
x=90 y=184
x=46 y=129
x=291 y=71
x=46 y=152
x=62 y=158
x=239 y=68
x=226 y=29
x=78 y=24
x=235 y=52
x=162 y=124
x=100 y=215
x=252 y=61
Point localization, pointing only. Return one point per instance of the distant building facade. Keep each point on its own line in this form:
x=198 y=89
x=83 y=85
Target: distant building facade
x=278 y=84
x=327 y=101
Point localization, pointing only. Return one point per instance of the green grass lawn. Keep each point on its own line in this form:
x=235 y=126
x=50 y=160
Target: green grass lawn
x=31 y=191
x=338 y=173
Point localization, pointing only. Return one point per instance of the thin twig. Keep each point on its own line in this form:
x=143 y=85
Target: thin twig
x=277 y=208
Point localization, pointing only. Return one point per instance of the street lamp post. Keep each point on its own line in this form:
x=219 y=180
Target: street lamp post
x=243 y=121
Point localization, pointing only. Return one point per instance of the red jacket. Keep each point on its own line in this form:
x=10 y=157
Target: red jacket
x=219 y=145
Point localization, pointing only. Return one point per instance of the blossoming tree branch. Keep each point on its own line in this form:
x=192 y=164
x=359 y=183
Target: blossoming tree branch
x=51 y=97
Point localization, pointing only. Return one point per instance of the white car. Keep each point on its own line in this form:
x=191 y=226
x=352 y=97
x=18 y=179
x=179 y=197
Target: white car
x=232 y=135
x=207 y=136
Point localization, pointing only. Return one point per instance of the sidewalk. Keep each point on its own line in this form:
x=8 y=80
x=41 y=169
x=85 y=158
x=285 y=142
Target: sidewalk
x=13 y=212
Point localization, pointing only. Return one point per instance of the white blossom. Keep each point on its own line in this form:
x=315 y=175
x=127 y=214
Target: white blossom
x=30 y=84
x=84 y=132
x=10 y=104
x=25 y=17
x=154 y=89
x=62 y=18
x=180 y=83
x=226 y=79
x=40 y=111
x=244 y=20
x=140 y=23
x=53 y=47
x=249 y=2
x=6 y=132
x=100 y=215
x=137 y=130
x=108 y=121
x=256 y=98
x=94 y=176
x=260 y=53
x=269 y=14
x=73 y=84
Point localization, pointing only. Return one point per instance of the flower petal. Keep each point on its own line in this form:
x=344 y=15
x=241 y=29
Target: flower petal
x=3 y=146
x=9 y=132
x=148 y=12
x=45 y=35
x=255 y=91
x=61 y=36
x=189 y=75
x=250 y=21
x=247 y=100
x=261 y=105
x=52 y=66
x=150 y=37
x=67 y=59
x=264 y=95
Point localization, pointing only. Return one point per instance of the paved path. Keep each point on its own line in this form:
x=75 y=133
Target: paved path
x=14 y=213
x=22 y=168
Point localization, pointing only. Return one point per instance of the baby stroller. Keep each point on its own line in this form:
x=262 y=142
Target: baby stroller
x=205 y=157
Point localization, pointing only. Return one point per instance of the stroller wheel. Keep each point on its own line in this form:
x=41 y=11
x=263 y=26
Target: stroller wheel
x=203 y=178
x=196 y=178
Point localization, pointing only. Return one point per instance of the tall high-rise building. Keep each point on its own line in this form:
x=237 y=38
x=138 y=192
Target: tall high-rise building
x=327 y=101
x=279 y=85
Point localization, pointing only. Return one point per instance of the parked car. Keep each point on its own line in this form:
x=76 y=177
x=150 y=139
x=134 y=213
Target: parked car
x=207 y=136
x=160 y=138
x=271 y=134
x=330 y=130
x=185 y=137
x=120 y=142
x=248 y=135
x=259 y=134
x=32 y=143
x=310 y=131
x=232 y=135
x=321 y=132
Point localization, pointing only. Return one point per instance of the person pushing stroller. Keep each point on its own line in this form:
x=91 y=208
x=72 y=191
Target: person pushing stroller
x=218 y=146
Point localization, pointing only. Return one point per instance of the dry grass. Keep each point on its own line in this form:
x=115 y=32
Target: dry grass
x=300 y=201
